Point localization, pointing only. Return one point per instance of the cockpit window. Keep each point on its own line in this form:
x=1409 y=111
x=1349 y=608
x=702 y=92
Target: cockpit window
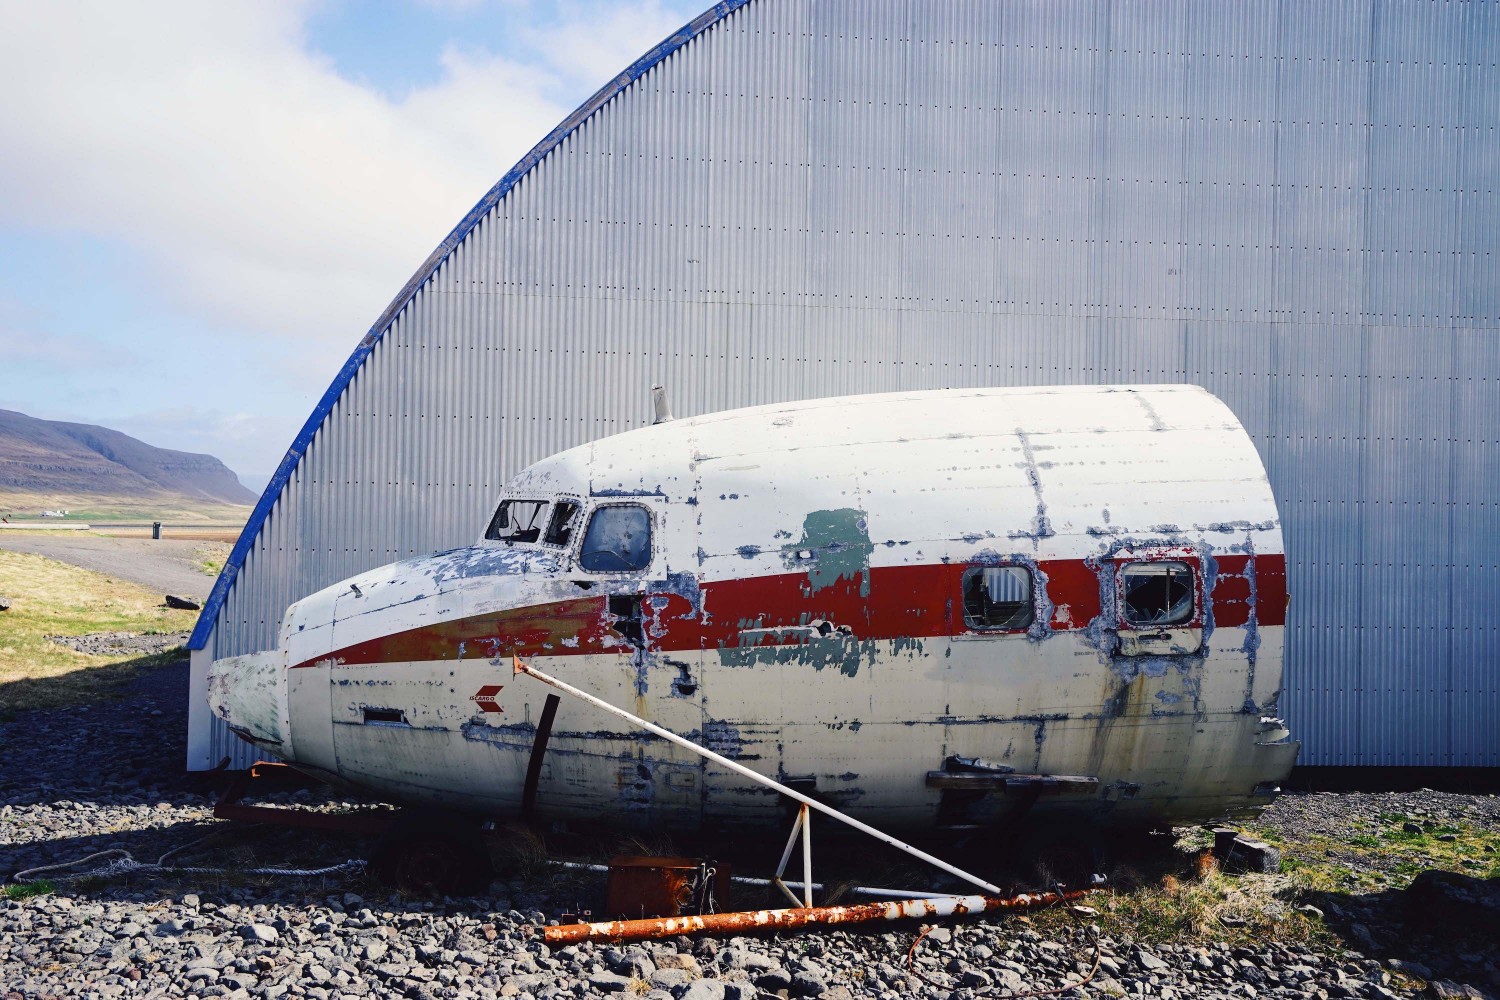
x=517 y=521
x=560 y=528
x=618 y=539
x=1156 y=593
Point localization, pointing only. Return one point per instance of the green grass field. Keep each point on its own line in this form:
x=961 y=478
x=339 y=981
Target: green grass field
x=52 y=598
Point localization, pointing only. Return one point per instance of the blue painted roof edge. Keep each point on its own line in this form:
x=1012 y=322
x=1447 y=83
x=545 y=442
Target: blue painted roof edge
x=553 y=139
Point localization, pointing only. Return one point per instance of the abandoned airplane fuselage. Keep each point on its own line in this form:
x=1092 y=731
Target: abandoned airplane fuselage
x=921 y=607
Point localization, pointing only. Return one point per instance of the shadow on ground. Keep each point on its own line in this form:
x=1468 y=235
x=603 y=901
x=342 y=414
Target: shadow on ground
x=85 y=685
x=1437 y=939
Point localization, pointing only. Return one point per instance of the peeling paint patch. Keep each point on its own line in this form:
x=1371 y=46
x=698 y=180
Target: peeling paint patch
x=1041 y=524
x=626 y=493
x=1231 y=527
x=840 y=547
x=724 y=738
x=838 y=651
x=1151 y=414
x=515 y=736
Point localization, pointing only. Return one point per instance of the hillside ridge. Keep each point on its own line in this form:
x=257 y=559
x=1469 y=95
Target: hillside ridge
x=50 y=458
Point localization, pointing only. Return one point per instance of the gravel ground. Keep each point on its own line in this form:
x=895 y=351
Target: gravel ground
x=170 y=565
x=1298 y=816
x=65 y=791
x=1331 y=826
x=1338 y=816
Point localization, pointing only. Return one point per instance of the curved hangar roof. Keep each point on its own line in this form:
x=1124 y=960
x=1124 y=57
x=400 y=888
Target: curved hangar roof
x=791 y=199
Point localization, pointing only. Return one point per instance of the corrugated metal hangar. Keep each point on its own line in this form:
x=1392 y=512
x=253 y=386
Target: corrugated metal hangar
x=1291 y=204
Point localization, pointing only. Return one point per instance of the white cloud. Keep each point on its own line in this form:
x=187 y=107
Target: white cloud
x=462 y=6
x=260 y=194
x=191 y=428
x=264 y=188
x=594 y=45
x=31 y=351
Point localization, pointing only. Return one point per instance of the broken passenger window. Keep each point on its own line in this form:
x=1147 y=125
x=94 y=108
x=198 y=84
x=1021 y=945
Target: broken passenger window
x=560 y=528
x=998 y=597
x=618 y=539
x=1156 y=593
x=517 y=521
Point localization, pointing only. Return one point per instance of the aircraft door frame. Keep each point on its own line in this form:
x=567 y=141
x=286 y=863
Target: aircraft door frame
x=1177 y=631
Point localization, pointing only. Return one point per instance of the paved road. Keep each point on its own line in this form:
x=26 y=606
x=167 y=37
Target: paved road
x=167 y=564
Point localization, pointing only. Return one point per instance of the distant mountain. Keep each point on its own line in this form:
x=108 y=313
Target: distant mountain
x=52 y=458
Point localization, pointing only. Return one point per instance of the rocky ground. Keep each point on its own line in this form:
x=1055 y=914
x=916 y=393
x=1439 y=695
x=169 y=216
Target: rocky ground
x=107 y=777
x=1298 y=817
x=122 y=643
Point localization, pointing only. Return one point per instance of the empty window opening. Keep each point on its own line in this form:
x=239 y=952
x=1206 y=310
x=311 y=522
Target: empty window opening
x=1156 y=593
x=628 y=619
x=998 y=597
x=560 y=528
x=517 y=521
x=385 y=717
x=618 y=540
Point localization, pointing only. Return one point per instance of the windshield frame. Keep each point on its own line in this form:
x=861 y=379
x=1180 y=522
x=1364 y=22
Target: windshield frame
x=538 y=521
x=581 y=514
x=582 y=530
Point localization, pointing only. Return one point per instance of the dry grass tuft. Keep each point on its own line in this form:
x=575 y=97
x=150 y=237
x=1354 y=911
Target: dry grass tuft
x=1213 y=907
x=521 y=849
x=651 y=845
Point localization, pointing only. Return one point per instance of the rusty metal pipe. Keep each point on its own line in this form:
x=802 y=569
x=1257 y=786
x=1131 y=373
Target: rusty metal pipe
x=768 y=920
x=755 y=776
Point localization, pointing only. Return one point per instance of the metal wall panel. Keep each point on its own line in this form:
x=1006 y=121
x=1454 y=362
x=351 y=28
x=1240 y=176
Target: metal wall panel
x=1291 y=204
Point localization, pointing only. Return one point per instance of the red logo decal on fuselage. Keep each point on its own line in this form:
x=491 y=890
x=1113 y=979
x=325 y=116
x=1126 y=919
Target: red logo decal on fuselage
x=486 y=698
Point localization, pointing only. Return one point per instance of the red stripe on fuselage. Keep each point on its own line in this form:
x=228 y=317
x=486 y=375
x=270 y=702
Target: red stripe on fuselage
x=887 y=602
x=538 y=629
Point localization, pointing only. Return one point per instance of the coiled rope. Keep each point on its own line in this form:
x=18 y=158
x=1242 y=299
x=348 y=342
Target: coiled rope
x=119 y=862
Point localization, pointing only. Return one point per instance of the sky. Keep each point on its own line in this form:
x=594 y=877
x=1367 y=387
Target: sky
x=205 y=205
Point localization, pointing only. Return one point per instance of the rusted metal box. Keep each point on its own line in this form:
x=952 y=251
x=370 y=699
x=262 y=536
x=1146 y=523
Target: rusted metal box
x=643 y=886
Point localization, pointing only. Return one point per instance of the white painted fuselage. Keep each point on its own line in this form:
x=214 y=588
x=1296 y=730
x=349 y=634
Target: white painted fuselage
x=855 y=596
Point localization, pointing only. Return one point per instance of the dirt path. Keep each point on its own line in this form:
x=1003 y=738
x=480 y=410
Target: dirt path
x=169 y=565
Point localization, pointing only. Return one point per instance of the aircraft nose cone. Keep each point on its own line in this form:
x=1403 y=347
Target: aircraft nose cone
x=249 y=694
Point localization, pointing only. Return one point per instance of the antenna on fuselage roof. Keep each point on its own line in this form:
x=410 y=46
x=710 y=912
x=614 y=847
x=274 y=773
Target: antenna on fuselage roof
x=659 y=401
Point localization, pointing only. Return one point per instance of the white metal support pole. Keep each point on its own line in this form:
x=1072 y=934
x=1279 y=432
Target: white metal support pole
x=807 y=857
x=786 y=855
x=754 y=776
